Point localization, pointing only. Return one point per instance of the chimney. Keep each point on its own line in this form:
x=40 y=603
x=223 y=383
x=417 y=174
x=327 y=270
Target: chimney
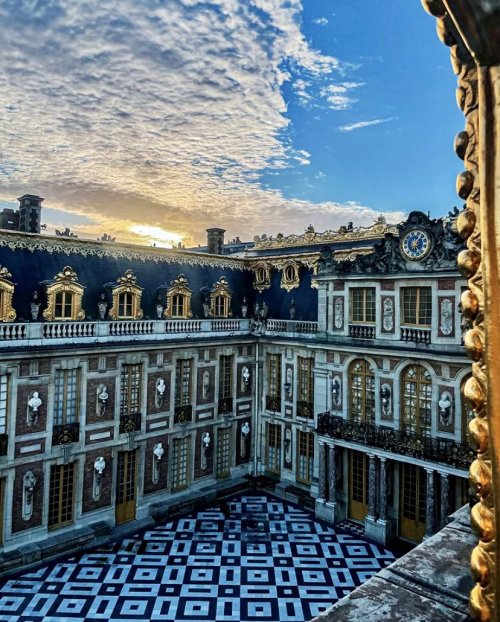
x=215 y=240
x=30 y=208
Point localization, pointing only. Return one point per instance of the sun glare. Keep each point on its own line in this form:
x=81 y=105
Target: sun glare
x=157 y=235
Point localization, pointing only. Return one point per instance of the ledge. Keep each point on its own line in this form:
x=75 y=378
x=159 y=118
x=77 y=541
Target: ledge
x=429 y=584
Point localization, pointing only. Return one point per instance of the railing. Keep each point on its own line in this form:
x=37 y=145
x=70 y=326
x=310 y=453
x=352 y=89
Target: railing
x=4 y=440
x=41 y=333
x=137 y=327
x=183 y=326
x=183 y=414
x=273 y=403
x=362 y=331
x=403 y=442
x=130 y=423
x=291 y=326
x=418 y=335
x=225 y=406
x=305 y=409
x=66 y=433
x=68 y=330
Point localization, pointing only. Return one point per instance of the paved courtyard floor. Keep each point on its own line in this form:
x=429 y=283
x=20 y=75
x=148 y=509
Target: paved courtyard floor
x=267 y=561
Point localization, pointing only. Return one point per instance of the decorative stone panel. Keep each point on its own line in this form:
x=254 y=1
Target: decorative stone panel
x=161 y=465
x=387 y=286
x=100 y=412
x=446 y=309
x=244 y=380
x=18 y=522
x=205 y=386
x=387 y=401
x=157 y=403
x=106 y=487
x=39 y=423
x=338 y=286
x=198 y=470
x=388 y=321
x=26 y=449
x=446 y=284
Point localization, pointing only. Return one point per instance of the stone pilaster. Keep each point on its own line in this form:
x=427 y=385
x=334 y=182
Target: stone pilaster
x=430 y=505
x=383 y=489
x=445 y=498
x=332 y=475
x=321 y=473
x=372 y=487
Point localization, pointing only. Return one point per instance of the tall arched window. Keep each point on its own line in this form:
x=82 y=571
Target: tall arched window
x=362 y=384
x=416 y=402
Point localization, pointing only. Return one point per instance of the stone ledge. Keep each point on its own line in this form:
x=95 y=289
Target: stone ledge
x=429 y=584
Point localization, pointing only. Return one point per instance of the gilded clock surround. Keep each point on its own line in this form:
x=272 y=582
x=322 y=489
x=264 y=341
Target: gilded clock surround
x=7 y=313
x=127 y=284
x=65 y=282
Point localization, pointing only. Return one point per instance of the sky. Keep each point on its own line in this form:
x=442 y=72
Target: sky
x=151 y=120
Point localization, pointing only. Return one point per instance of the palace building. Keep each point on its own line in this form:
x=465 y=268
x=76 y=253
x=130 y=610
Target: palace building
x=135 y=381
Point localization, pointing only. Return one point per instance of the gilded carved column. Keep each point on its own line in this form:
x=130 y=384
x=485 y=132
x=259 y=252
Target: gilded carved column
x=445 y=498
x=332 y=475
x=430 y=507
x=372 y=487
x=321 y=473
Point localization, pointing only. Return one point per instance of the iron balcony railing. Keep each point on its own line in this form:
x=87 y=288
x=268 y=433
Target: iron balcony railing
x=403 y=442
x=305 y=409
x=130 y=423
x=66 y=433
x=273 y=403
x=225 y=406
x=183 y=414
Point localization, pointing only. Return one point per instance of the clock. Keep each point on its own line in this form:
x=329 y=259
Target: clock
x=415 y=244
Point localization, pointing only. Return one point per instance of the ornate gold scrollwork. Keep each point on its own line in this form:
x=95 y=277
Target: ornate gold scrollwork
x=290 y=276
x=7 y=313
x=126 y=298
x=262 y=276
x=64 y=297
x=178 y=299
x=220 y=299
x=483 y=562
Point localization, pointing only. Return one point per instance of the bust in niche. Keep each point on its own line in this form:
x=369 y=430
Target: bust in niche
x=161 y=387
x=34 y=404
x=102 y=400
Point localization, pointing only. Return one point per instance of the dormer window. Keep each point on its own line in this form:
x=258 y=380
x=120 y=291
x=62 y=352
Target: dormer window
x=7 y=313
x=220 y=299
x=126 y=298
x=178 y=299
x=290 y=276
x=262 y=276
x=64 y=297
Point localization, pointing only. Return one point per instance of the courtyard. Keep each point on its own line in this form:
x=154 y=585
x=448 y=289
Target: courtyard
x=257 y=558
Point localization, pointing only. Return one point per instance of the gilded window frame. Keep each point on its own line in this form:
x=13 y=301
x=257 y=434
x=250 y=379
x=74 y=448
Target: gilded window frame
x=221 y=289
x=178 y=286
x=7 y=312
x=126 y=284
x=65 y=281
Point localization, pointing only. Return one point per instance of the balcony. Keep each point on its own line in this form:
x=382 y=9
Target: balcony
x=305 y=409
x=417 y=335
x=402 y=442
x=273 y=403
x=225 y=406
x=362 y=331
x=21 y=334
x=4 y=441
x=183 y=414
x=291 y=328
x=130 y=423
x=66 y=433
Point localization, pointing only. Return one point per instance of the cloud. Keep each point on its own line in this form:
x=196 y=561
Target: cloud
x=163 y=112
x=338 y=95
x=360 y=124
x=321 y=21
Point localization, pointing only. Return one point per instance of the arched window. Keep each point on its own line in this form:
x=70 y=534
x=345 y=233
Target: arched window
x=290 y=276
x=362 y=385
x=220 y=299
x=126 y=298
x=178 y=299
x=64 y=297
x=7 y=313
x=416 y=402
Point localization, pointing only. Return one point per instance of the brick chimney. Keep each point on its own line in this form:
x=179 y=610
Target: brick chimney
x=215 y=240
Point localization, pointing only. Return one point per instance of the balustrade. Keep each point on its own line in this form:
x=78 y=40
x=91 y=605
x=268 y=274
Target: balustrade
x=418 y=335
x=362 y=331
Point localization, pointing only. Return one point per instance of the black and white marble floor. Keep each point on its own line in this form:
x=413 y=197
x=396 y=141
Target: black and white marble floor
x=268 y=561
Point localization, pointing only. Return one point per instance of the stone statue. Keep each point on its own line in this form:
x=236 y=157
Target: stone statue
x=159 y=308
x=29 y=483
x=35 y=306
x=205 y=389
x=385 y=395
x=34 y=404
x=445 y=409
x=102 y=400
x=158 y=451
x=245 y=379
x=245 y=437
x=161 y=387
x=336 y=391
x=244 y=308
x=99 y=465
x=102 y=306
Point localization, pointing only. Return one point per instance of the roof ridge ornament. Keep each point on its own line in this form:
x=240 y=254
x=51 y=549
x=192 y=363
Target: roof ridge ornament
x=67 y=274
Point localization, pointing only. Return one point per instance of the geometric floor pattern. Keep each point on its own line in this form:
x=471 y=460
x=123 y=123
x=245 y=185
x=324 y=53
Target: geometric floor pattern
x=265 y=561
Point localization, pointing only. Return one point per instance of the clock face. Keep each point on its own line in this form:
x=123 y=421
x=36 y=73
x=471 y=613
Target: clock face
x=416 y=244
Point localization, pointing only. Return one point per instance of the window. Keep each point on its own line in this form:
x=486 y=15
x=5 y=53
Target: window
x=125 y=305
x=220 y=306
x=417 y=400
x=223 y=452
x=416 y=306
x=183 y=369
x=225 y=377
x=274 y=375
x=66 y=396
x=305 y=398
x=305 y=456
x=363 y=304
x=63 y=309
x=274 y=447
x=61 y=492
x=180 y=464
x=220 y=299
x=130 y=389
x=362 y=384
x=178 y=305
x=4 y=395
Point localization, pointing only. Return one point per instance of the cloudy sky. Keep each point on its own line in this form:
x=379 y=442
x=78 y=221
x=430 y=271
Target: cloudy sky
x=154 y=119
